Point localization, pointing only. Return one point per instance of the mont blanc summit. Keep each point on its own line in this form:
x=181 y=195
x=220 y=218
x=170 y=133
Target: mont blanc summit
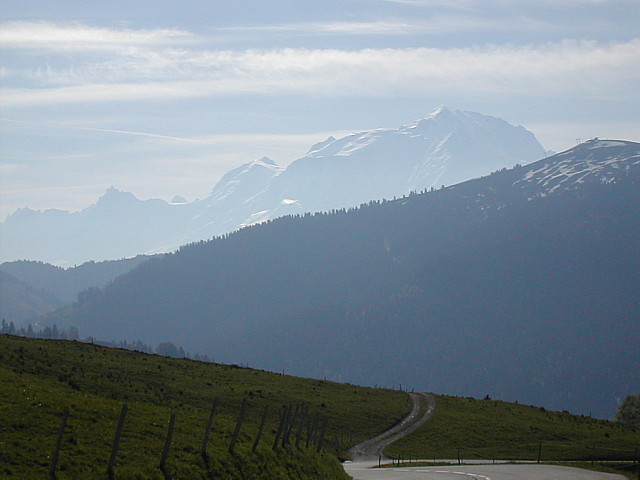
x=442 y=148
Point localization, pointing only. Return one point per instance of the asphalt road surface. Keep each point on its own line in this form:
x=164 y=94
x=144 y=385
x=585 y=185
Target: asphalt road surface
x=363 y=471
x=365 y=456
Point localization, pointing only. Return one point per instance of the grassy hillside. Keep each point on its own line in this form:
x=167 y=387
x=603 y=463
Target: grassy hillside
x=486 y=429
x=42 y=378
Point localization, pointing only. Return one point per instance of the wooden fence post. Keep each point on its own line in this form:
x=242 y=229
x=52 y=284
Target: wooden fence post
x=289 y=425
x=285 y=431
x=325 y=422
x=303 y=418
x=283 y=419
x=205 y=438
x=311 y=428
x=285 y=427
x=116 y=441
x=262 y=422
x=167 y=444
x=236 y=432
x=539 y=451
x=56 y=452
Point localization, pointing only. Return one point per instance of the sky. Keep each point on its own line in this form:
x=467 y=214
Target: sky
x=161 y=98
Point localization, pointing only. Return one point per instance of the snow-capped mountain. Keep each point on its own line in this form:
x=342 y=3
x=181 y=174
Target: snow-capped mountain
x=443 y=148
x=602 y=161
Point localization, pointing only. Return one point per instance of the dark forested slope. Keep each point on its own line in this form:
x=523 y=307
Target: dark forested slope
x=20 y=302
x=29 y=289
x=522 y=285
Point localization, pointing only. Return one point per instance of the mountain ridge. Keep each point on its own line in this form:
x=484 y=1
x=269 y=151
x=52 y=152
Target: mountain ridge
x=444 y=147
x=523 y=282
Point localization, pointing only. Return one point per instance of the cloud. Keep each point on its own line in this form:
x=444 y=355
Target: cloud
x=460 y=18
x=110 y=130
x=456 y=4
x=467 y=4
x=572 y=68
x=397 y=27
x=53 y=36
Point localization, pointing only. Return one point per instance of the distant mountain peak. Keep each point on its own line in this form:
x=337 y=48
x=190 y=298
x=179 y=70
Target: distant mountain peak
x=441 y=111
x=595 y=144
x=320 y=145
x=245 y=181
x=178 y=199
x=112 y=191
x=602 y=143
x=265 y=161
x=443 y=148
x=441 y=117
x=115 y=193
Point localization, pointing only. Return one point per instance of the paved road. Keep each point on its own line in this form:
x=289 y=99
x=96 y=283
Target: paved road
x=365 y=456
x=373 y=448
x=363 y=471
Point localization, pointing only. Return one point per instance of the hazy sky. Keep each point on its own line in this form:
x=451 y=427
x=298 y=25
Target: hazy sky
x=160 y=98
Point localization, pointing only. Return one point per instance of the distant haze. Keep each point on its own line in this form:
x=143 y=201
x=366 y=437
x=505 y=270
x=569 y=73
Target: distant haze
x=442 y=148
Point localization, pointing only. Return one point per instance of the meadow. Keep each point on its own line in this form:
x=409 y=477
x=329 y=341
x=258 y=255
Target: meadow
x=41 y=379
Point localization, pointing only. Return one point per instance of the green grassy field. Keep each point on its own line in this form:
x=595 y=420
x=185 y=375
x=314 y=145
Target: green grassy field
x=42 y=378
x=488 y=429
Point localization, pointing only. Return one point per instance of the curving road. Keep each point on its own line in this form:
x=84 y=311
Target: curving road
x=364 y=471
x=365 y=456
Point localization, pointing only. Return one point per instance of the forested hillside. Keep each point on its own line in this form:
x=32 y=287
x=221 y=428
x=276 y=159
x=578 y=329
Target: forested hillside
x=522 y=285
x=29 y=289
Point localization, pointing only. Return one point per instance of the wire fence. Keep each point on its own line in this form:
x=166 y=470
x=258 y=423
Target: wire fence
x=297 y=426
x=624 y=459
x=539 y=452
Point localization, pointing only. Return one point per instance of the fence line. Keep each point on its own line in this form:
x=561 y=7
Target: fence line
x=291 y=416
x=587 y=452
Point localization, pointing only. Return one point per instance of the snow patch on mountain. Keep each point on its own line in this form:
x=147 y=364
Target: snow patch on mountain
x=576 y=166
x=321 y=145
x=256 y=218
